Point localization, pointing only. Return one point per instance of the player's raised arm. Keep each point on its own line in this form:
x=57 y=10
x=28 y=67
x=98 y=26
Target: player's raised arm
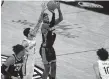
x=52 y=23
x=39 y=21
x=57 y=21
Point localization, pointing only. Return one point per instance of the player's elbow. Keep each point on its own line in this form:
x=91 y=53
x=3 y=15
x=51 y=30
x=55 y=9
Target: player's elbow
x=3 y=67
x=61 y=18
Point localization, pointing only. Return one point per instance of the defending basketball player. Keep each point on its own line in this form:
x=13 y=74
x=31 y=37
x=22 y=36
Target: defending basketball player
x=29 y=43
x=47 y=51
x=12 y=68
x=101 y=67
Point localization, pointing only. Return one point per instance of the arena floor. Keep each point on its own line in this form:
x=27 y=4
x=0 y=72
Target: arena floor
x=79 y=35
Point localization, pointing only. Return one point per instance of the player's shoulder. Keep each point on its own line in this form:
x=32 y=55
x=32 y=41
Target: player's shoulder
x=99 y=61
x=11 y=58
x=95 y=64
x=103 y=63
x=25 y=43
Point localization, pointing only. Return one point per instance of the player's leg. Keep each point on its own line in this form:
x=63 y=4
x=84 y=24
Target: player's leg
x=53 y=63
x=53 y=70
x=43 y=52
x=46 y=71
x=29 y=67
x=31 y=70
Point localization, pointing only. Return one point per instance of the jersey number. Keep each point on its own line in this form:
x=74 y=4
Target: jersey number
x=17 y=68
x=106 y=70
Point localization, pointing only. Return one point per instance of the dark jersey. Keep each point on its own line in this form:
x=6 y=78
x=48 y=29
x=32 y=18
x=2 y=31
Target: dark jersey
x=16 y=68
x=48 y=37
x=13 y=66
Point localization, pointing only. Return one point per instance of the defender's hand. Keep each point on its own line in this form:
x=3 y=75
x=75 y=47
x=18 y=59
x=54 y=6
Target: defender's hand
x=58 y=5
x=44 y=7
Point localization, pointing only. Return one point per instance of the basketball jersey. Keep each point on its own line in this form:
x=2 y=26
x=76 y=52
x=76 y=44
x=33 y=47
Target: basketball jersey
x=104 y=69
x=15 y=68
x=31 y=58
x=32 y=44
x=50 y=38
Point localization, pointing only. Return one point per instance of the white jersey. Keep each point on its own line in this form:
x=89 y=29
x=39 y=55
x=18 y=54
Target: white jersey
x=31 y=58
x=104 y=69
x=32 y=45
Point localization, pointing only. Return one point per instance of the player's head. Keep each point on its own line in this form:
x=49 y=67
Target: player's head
x=19 y=50
x=102 y=54
x=45 y=18
x=27 y=32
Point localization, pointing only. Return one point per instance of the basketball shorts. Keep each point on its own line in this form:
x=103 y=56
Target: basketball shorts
x=48 y=55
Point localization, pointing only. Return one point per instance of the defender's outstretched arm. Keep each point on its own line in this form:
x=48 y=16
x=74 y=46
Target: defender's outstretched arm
x=39 y=21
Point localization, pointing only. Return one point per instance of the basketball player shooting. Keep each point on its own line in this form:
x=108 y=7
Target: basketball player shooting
x=29 y=43
x=101 y=67
x=47 y=51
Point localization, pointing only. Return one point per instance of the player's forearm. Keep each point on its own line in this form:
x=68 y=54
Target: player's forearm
x=60 y=15
x=3 y=70
x=52 y=23
x=36 y=28
x=3 y=67
x=39 y=22
x=41 y=16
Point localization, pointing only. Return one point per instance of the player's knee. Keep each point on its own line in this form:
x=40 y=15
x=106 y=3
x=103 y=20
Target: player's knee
x=47 y=68
x=53 y=66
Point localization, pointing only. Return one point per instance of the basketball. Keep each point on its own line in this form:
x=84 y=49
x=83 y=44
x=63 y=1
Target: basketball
x=51 y=5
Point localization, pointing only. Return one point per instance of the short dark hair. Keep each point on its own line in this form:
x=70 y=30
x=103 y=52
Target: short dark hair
x=103 y=54
x=26 y=32
x=18 y=48
x=45 y=14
